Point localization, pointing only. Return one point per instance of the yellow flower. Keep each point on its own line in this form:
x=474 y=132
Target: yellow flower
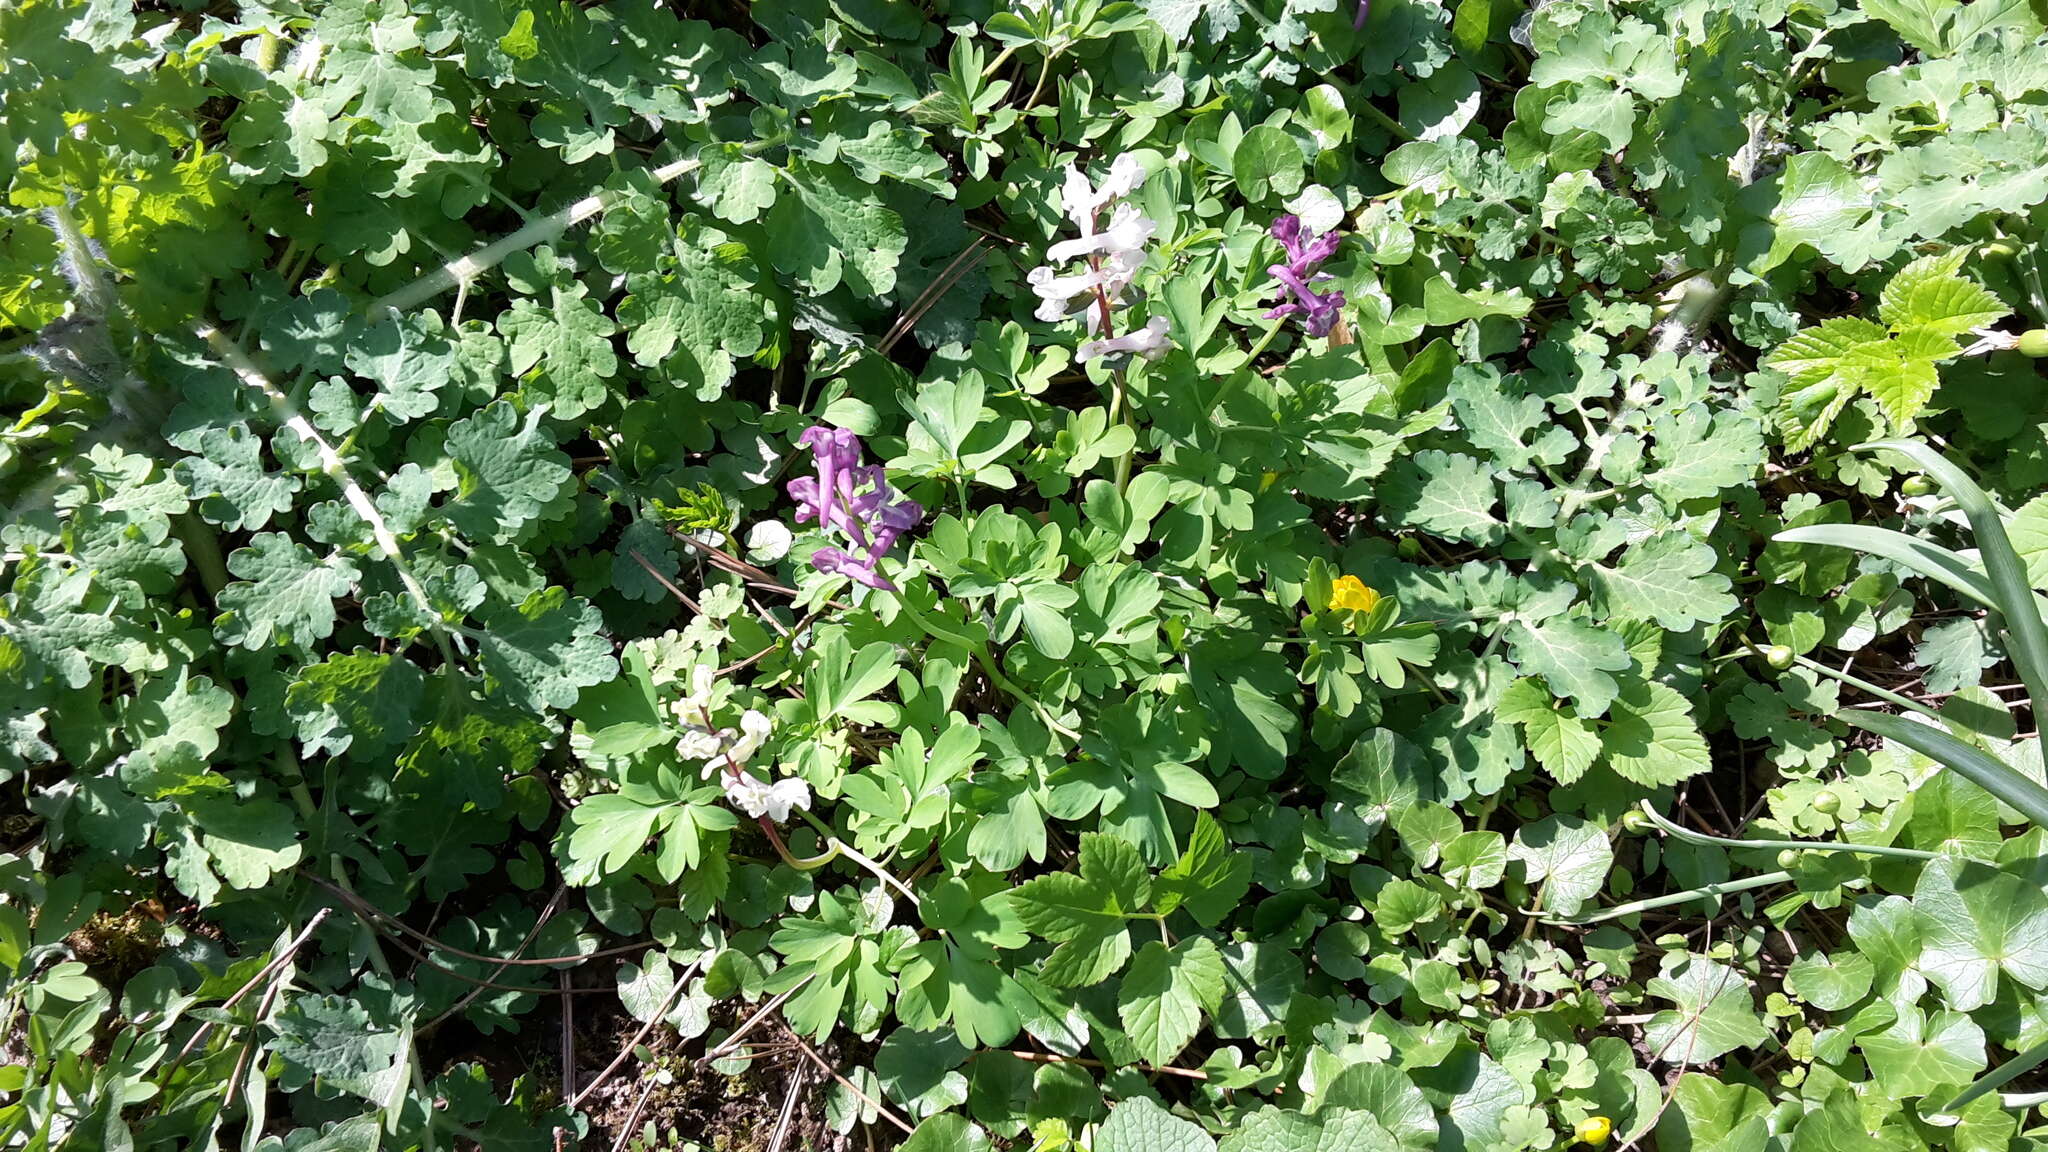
x=1594 y=1130
x=1350 y=592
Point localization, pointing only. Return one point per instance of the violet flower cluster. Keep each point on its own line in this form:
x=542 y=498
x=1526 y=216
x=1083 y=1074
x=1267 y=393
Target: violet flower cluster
x=852 y=499
x=1114 y=254
x=1305 y=253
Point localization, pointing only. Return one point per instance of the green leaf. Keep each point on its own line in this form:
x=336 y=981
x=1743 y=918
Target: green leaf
x=1652 y=738
x=508 y=471
x=543 y=650
x=360 y=700
x=1177 y=17
x=1932 y=295
x=284 y=591
x=1574 y=657
x=1568 y=856
x=1446 y=494
x=1976 y=923
x=1919 y=1054
x=947 y=1132
x=1141 y=1125
x=1208 y=879
x=833 y=229
x=1085 y=913
x=1562 y=742
x=1668 y=578
x=1165 y=994
x=1714 y=1015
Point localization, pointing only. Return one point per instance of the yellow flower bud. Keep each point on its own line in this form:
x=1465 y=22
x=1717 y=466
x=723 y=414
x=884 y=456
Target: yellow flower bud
x=1349 y=592
x=1593 y=1131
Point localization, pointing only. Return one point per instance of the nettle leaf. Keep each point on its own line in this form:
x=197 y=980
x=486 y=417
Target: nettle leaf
x=1141 y=1125
x=1209 y=879
x=1165 y=994
x=1086 y=912
x=1932 y=295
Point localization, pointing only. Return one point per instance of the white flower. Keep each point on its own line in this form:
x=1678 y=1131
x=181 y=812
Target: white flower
x=1151 y=342
x=1127 y=232
x=774 y=801
x=699 y=743
x=1057 y=295
x=754 y=729
x=692 y=708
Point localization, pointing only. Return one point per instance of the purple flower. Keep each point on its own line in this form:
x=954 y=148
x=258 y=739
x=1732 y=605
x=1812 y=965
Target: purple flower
x=854 y=500
x=1319 y=310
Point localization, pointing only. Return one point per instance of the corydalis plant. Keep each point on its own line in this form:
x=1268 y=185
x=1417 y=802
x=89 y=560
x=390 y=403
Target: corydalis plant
x=1113 y=255
x=853 y=499
x=1305 y=254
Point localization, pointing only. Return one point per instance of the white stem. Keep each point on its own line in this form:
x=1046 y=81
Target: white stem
x=288 y=415
x=460 y=271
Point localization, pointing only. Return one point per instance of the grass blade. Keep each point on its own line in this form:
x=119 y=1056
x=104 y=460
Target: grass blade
x=2025 y=634
x=1930 y=560
x=1988 y=772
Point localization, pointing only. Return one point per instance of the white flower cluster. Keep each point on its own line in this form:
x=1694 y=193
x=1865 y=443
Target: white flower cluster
x=1113 y=254
x=725 y=752
x=771 y=800
x=719 y=748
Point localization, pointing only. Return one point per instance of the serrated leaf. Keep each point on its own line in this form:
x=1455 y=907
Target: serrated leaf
x=1165 y=994
x=545 y=649
x=1652 y=738
x=284 y=591
x=1668 y=578
x=1574 y=657
x=1932 y=295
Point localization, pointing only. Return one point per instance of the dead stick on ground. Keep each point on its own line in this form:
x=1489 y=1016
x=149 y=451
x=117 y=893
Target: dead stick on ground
x=665 y=582
x=1050 y=1058
x=639 y=1106
x=568 y=1038
x=824 y=1066
x=761 y=1013
x=674 y=994
x=276 y=964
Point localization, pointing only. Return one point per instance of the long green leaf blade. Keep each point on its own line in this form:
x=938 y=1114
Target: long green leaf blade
x=1930 y=560
x=2026 y=635
x=1995 y=776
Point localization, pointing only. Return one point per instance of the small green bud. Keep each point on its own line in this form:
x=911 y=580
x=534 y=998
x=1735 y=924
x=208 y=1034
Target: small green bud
x=1634 y=820
x=1789 y=858
x=2034 y=343
x=1778 y=656
x=1826 y=802
x=1916 y=485
x=1409 y=547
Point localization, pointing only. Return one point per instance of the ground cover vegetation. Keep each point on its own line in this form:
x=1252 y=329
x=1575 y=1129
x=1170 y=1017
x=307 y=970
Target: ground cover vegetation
x=1179 y=576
